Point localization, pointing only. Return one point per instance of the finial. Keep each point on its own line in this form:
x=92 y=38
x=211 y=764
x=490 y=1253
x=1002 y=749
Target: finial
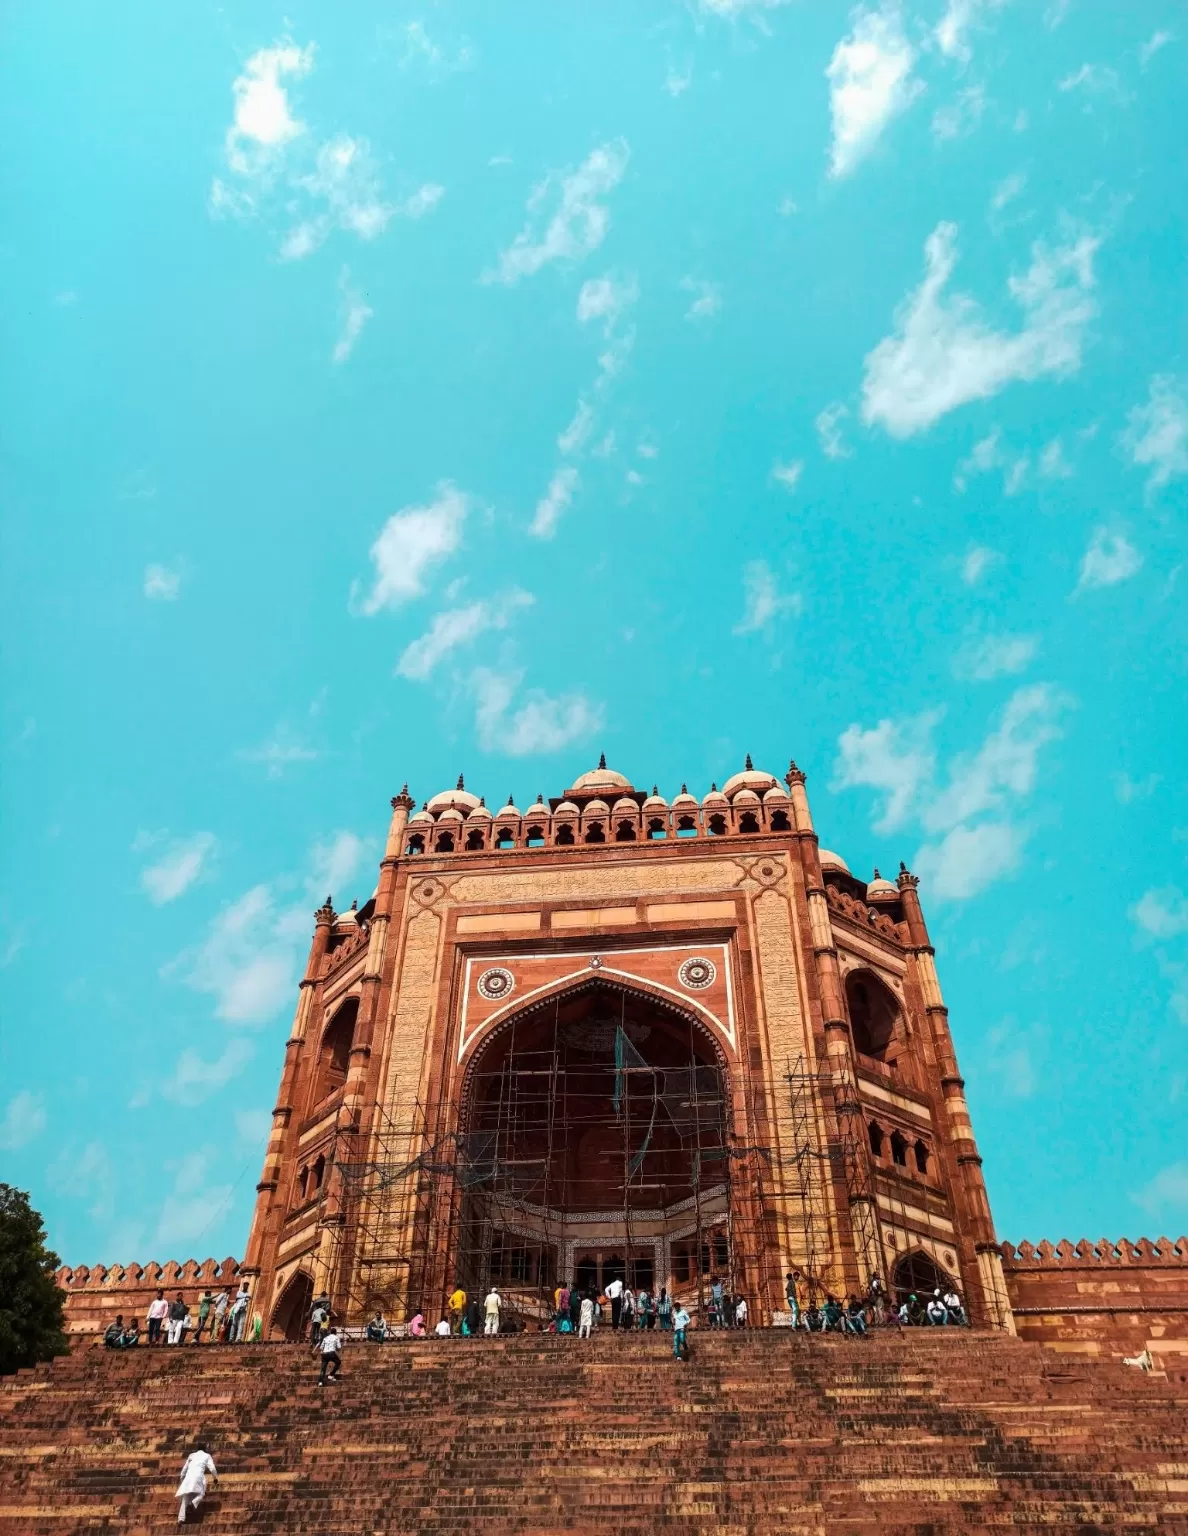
x=684 y=789
x=713 y=786
x=902 y=867
x=793 y=775
x=461 y=782
x=482 y=799
x=602 y=759
x=403 y=798
x=539 y=798
x=355 y=905
x=655 y=790
x=325 y=913
x=749 y=764
x=876 y=873
x=511 y=799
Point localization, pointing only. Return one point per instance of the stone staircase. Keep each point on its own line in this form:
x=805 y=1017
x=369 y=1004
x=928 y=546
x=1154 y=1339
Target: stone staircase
x=762 y=1432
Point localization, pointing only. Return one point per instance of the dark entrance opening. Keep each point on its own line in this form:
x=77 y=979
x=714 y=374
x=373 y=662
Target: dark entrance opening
x=917 y=1275
x=291 y=1313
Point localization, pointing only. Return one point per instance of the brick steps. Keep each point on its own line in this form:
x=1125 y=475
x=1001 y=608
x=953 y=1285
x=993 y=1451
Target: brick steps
x=762 y=1432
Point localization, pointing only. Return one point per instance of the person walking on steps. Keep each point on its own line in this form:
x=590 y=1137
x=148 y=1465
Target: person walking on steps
x=680 y=1321
x=614 y=1294
x=491 y=1308
x=331 y=1351
x=587 y=1317
x=191 y=1490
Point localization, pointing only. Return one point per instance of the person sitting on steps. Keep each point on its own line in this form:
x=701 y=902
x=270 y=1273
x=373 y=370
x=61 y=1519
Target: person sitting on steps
x=377 y=1328
x=113 y=1337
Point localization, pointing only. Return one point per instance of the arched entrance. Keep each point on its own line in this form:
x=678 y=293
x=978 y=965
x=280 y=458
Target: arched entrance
x=291 y=1312
x=596 y=1143
x=916 y=1274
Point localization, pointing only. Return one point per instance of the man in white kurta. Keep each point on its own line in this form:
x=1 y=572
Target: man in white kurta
x=192 y=1488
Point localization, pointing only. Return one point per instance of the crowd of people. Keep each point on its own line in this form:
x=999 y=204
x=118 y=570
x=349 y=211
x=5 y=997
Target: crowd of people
x=220 y=1319
x=822 y=1312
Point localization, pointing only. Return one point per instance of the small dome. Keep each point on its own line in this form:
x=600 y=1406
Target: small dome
x=749 y=778
x=655 y=803
x=881 y=890
x=537 y=808
x=833 y=861
x=684 y=798
x=508 y=812
x=420 y=816
x=625 y=807
x=457 y=799
x=715 y=797
x=346 y=919
x=599 y=780
x=598 y=808
x=776 y=792
x=567 y=808
x=480 y=813
x=746 y=797
x=451 y=813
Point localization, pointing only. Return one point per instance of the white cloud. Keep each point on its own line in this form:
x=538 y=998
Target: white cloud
x=540 y=724
x=253 y=1127
x=732 y=9
x=1166 y=1196
x=870 y=82
x=1052 y=464
x=977 y=562
x=953 y=29
x=411 y=541
x=194 y=1202
x=335 y=863
x=1129 y=790
x=279 y=753
x=344 y=186
x=1162 y=913
x=764 y=603
x=88 y=1174
x=552 y=505
x=457 y=627
x=968 y=859
x=1055 y=14
x=1007 y=190
x=1094 y=80
x=161 y=585
x=1154 y=43
x=576 y=434
x=1156 y=434
x=707 y=298
x=828 y=425
x=423 y=200
x=960 y=116
x=356 y=312
x=249 y=959
x=1010 y=1061
x=194 y=1079
x=895 y=758
x=786 y=207
x=421 y=52
x=989 y=454
x=24 y=1120
x=788 y=475
x=1110 y=558
x=972 y=839
x=991 y=656
x=605 y=299
x=263 y=122
x=178 y=868
x=579 y=220
x=943 y=354
x=678 y=81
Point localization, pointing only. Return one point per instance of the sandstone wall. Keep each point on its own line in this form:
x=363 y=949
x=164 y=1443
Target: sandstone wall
x=1110 y=1299
x=95 y=1294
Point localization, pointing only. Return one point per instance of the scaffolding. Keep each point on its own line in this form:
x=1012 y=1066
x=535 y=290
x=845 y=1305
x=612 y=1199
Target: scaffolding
x=513 y=1190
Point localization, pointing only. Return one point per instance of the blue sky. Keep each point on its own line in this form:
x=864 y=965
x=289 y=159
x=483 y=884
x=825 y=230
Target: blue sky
x=390 y=393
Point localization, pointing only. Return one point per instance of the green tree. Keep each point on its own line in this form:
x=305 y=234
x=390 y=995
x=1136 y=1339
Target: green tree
x=30 y=1301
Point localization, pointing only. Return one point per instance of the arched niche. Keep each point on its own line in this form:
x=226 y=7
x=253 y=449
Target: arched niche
x=875 y=1016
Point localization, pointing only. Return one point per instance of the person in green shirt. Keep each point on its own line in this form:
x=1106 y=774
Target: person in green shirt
x=204 y=1307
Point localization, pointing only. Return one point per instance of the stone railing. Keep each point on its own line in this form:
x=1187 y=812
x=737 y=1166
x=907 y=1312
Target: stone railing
x=1048 y=1255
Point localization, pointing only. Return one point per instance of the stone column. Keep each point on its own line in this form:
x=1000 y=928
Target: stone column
x=858 y=1189
x=356 y=1119
x=260 y=1262
x=975 y=1224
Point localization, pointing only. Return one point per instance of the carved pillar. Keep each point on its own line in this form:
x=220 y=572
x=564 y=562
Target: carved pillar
x=857 y=1191
x=976 y=1229
x=260 y=1262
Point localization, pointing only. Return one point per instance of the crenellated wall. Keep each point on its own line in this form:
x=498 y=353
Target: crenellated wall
x=1103 y=1298
x=96 y=1294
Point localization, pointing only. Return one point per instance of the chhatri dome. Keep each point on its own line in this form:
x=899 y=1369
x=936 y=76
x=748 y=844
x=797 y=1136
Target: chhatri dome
x=456 y=799
x=601 y=781
x=750 y=778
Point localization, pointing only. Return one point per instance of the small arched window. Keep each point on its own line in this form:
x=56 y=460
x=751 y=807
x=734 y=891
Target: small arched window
x=717 y=826
x=319 y=1173
x=686 y=827
x=874 y=1015
x=334 y=1058
x=921 y=1157
x=624 y=832
x=876 y=1139
x=595 y=833
x=656 y=829
x=748 y=822
x=416 y=844
x=536 y=837
x=505 y=838
x=445 y=843
x=779 y=821
x=899 y=1149
x=474 y=841
x=565 y=836
x=303 y=1182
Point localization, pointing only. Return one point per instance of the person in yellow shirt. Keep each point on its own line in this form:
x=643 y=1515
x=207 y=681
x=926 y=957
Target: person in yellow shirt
x=457 y=1307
